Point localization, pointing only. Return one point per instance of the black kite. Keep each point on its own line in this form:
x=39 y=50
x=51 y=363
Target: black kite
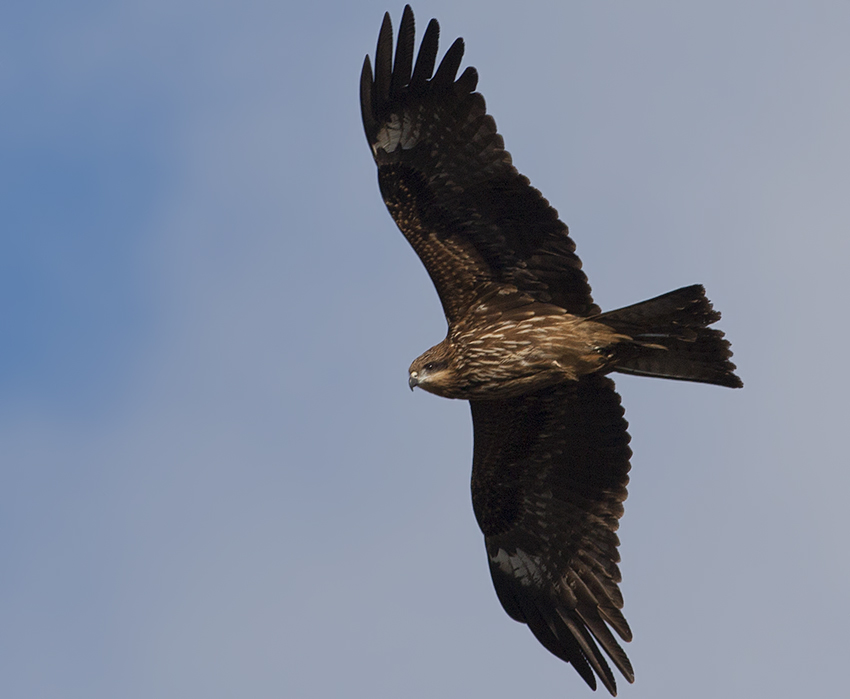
x=526 y=346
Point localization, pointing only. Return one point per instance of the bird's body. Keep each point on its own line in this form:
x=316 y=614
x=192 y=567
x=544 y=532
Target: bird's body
x=509 y=345
x=527 y=347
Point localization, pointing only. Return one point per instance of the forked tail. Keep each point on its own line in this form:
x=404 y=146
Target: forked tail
x=670 y=338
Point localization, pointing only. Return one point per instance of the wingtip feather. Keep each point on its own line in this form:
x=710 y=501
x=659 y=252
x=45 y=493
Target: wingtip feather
x=467 y=82
x=404 y=52
x=367 y=108
x=591 y=651
x=427 y=57
x=384 y=60
x=447 y=71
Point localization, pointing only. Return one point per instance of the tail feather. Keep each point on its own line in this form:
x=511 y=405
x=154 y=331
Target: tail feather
x=670 y=338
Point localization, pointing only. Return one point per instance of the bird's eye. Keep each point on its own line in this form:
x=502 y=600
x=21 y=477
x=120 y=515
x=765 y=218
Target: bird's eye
x=429 y=366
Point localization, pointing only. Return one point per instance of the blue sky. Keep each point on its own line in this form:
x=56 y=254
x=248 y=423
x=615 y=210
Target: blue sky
x=214 y=481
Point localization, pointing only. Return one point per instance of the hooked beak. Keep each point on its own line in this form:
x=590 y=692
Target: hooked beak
x=413 y=380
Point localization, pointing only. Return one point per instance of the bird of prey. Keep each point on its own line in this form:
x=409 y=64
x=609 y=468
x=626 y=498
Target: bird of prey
x=526 y=346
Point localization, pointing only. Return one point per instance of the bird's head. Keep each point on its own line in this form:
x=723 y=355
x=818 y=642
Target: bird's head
x=434 y=371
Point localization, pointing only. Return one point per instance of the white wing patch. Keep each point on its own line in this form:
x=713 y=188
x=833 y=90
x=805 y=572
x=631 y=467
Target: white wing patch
x=399 y=131
x=527 y=569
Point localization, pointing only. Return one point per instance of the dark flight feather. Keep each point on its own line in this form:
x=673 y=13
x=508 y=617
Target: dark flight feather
x=427 y=58
x=404 y=53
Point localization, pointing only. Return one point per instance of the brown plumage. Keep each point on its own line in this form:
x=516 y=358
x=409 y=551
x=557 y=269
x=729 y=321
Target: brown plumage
x=526 y=346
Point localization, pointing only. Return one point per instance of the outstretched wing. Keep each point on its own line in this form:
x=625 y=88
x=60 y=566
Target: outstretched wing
x=549 y=478
x=449 y=183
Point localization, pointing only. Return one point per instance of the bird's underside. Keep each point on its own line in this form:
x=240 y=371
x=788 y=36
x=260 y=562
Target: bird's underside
x=527 y=347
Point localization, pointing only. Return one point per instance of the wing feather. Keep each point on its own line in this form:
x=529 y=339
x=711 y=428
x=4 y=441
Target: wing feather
x=445 y=76
x=450 y=185
x=384 y=61
x=549 y=479
x=427 y=58
x=403 y=52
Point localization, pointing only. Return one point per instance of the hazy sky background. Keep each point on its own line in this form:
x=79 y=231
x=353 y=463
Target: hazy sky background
x=214 y=481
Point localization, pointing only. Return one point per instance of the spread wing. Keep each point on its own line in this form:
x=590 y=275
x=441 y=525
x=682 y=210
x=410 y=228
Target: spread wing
x=549 y=478
x=449 y=183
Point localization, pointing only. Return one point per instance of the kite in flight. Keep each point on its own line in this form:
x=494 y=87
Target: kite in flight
x=527 y=347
